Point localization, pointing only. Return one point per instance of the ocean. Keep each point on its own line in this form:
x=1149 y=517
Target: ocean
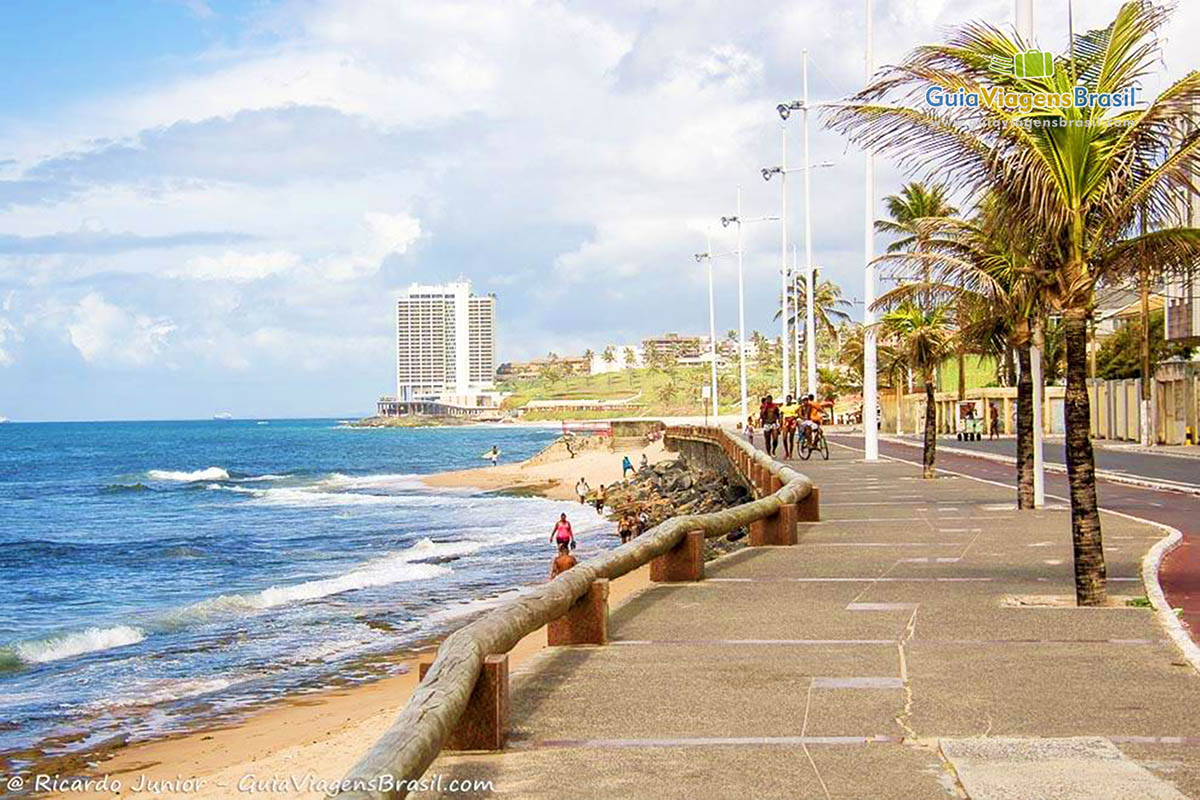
x=158 y=576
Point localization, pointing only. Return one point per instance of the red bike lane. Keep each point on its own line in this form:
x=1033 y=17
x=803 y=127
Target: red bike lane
x=1180 y=571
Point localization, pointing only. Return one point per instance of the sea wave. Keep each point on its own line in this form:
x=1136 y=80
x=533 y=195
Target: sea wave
x=209 y=474
x=69 y=645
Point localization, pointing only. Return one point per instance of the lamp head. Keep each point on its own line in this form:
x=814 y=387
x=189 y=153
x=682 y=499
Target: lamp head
x=784 y=111
x=726 y=221
x=701 y=256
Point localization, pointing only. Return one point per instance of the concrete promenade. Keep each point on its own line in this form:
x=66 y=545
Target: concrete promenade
x=913 y=645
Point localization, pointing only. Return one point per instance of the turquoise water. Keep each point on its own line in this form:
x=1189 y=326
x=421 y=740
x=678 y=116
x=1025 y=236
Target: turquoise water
x=159 y=574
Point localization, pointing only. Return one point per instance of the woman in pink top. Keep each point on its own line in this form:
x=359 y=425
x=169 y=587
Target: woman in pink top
x=562 y=533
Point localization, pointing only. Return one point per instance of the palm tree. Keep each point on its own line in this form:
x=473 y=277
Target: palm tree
x=925 y=336
x=629 y=358
x=610 y=358
x=1081 y=174
x=975 y=266
x=829 y=307
x=915 y=202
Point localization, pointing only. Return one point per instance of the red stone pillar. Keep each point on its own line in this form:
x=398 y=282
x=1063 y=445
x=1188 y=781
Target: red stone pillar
x=683 y=562
x=586 y=622
x=777 y=530
x=484 y=723
x=809 y=509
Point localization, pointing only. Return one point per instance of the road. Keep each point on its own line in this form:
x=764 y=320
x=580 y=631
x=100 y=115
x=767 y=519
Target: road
x=1183 y=470
x=1180 y=573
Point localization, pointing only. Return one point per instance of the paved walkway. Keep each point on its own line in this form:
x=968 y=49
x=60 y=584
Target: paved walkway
x=1180 y=573
x=888 y=655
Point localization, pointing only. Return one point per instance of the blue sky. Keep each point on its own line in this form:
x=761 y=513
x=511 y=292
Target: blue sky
x=207 y=206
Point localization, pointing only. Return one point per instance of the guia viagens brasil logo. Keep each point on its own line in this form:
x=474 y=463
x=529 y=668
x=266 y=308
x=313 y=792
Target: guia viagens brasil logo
x=1030 y=64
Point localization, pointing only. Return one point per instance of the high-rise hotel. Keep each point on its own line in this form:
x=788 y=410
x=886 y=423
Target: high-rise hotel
x=445 y=344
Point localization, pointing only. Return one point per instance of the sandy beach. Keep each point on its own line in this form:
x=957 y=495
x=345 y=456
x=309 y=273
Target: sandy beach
x=554 y=478
x=317 y=737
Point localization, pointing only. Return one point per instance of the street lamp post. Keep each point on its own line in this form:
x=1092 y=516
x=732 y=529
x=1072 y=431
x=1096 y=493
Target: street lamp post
x=810 y=337
x=707 y=255
x=1024 y=18
x=870 y=389
x=725 y=223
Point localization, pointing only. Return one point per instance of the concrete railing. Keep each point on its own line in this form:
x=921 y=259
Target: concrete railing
x=462 y=698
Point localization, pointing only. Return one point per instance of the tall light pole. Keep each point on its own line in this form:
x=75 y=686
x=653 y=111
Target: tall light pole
x=810 y=280
x=870 y=389
x=1024 y=18
x=726 y=222
x=741 y=304
x=707 y=255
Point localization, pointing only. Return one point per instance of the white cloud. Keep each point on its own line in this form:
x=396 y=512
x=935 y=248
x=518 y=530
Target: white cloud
x=106 y=334
x=236 y=267
x=9 y=335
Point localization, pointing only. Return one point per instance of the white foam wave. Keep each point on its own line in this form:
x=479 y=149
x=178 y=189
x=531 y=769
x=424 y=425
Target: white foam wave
x=165 y=691
x=69 y=645
x=381 y=481
x=209 y=474
x=397 y=568
x=384 y=572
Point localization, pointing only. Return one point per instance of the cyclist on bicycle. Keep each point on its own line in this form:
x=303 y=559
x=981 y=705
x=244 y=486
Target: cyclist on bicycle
x=812 y=415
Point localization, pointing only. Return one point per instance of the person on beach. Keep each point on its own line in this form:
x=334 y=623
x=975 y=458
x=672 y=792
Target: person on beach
x=626 y=467
x=494 y=455
x=600 y=498
x=768 y=415
x=562 y=562
x=994 y=420
x=645 y=462
x=582 y=489
x=625 y=527
x=562 y=533
x=789 y=412
x=643 y=522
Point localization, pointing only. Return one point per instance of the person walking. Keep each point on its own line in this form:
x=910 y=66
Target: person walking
x=789 y=412
x=769 y=417
x=562 y=534
x=582 y=489
x=562 y=562
x=993 y=420
x=600 y=498
x=494 y=455
x=626 y=467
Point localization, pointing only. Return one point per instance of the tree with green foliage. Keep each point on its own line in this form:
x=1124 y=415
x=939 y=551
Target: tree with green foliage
x=1083 y=176
x=1120 y=355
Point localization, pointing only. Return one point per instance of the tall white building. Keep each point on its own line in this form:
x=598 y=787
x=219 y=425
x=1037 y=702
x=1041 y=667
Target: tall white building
x=445 y=343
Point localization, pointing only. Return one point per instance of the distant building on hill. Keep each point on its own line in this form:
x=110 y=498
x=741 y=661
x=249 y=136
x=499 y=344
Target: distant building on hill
x=445 y=349
x=527 y=370
x=673 y=345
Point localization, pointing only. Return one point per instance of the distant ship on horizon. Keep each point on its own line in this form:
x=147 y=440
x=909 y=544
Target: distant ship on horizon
x=222 y=415
x=4 y=419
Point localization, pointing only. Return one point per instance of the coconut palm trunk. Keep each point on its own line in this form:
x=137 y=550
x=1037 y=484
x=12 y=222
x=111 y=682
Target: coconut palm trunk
x=930 y=451
x=1090 y=573
x=1024 y=428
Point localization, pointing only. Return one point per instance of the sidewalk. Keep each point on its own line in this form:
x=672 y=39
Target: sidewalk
x=866 y=662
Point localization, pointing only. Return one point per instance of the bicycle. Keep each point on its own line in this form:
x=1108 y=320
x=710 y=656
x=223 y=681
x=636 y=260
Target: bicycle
x=814 y=442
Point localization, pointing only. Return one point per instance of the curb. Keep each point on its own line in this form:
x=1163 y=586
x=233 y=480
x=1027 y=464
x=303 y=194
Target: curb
x=1112 y=477
x=1151 y=563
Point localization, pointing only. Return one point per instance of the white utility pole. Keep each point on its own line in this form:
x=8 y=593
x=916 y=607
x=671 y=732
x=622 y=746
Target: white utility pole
x=1024 y=18
x=796 y=321
x=712 y=329
x=810 y=334
x=741 y=309
x=783 y=266
x=870 y=389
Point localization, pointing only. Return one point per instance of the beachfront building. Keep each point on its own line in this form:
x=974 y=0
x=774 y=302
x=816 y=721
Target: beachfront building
x=445 y=348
